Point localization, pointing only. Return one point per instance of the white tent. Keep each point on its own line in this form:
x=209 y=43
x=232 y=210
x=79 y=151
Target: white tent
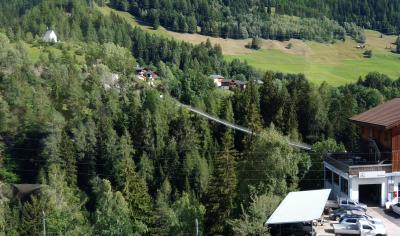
x=304 y=206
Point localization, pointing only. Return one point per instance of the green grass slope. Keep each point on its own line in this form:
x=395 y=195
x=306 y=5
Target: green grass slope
x=337 y=63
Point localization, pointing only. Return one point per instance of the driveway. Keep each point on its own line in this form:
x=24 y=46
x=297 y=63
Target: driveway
x=390 y=219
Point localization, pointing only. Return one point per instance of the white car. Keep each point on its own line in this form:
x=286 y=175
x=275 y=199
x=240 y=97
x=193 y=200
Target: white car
x=396 y=208
x=354 y=220
x=361 y=227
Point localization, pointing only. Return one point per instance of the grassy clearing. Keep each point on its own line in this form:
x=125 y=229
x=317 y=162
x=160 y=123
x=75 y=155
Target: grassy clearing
x=337 y=63
x=34 y=50
x=335 y=73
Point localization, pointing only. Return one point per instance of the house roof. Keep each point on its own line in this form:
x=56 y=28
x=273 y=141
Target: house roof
x=386 y=115
x=49 y=33
x=26 y=188
x=233 y=81
x=303 y=206
x=216 y=76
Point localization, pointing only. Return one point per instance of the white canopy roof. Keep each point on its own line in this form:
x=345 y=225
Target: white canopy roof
x=300 y=207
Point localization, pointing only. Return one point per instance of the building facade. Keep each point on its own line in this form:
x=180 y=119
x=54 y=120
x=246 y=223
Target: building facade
x=50 y=37
x=371 y=176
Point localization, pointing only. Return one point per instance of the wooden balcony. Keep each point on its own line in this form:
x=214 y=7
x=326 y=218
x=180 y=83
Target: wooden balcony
x=345 y=162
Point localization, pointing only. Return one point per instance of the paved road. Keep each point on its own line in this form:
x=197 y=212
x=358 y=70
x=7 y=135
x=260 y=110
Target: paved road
x=390 y=219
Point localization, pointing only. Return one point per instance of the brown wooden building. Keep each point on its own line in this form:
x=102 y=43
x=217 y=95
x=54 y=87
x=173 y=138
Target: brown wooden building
x=381 y=125
x=371 y=176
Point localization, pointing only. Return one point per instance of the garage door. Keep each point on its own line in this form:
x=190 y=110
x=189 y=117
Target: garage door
x=370 y=194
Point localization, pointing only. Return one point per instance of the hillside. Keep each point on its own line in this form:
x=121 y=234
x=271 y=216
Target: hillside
x=337 y=64
x=93 y=141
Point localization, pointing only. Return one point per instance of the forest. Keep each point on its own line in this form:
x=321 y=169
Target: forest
x=238 y=19
x=377 y=15
x=116 y=158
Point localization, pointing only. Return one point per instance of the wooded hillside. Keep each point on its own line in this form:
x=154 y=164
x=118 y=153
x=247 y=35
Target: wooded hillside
x=109 y=154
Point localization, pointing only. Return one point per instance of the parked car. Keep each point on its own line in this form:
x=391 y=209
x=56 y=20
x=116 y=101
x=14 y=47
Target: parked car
x=331 y=205
x=354 y=219
x=362 y=228
x=337 y=214
x=396 y=208
x=351 y=204
x=341 y=213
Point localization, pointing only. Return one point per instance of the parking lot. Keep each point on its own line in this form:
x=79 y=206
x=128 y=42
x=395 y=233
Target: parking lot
x=390 y=220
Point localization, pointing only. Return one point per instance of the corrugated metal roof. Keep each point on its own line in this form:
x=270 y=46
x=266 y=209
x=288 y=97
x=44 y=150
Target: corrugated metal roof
x=386 y=115
x=303 y=206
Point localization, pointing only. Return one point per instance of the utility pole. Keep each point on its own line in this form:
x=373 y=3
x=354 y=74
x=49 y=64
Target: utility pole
x=197 y=227
x=44 y=223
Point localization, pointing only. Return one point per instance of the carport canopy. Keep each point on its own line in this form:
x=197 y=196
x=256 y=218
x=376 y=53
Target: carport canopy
x=303 y=206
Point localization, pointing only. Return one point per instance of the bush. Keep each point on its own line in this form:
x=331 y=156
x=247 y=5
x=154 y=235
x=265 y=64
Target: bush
x=255 y=44
x=368 y=53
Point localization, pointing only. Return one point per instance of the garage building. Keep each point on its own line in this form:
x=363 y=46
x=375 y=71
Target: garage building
x=371 y=176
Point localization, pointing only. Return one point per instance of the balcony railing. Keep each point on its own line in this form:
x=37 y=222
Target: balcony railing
x=353 y=163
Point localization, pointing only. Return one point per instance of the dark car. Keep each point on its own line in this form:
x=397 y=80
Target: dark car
x=343 y=212
x=337 y=214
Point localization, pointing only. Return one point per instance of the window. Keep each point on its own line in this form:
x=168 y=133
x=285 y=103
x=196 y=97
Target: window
x=367 y=227
x=351 y=221
x=344 y=202
x=336 y=178
x=344 y=185
x=328 y=175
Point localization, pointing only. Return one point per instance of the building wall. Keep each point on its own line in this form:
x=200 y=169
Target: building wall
x=396 y=149
x=354 y=182
x=381 y=136
x=335 y=188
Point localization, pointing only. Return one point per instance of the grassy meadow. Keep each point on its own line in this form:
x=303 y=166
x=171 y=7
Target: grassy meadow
x=338 y=63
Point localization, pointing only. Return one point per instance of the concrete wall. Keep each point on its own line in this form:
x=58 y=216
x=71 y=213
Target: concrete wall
x=354 y=182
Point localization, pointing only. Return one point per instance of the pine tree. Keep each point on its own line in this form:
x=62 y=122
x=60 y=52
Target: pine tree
x=222 y=190
x=132 y=186
x=269 y=99
x=112 y=211
x=398 y=44
x=65 y=214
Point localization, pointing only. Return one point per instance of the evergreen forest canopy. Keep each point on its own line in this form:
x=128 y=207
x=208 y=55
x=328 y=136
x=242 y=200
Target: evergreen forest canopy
x=239 y=19
x=113 y=157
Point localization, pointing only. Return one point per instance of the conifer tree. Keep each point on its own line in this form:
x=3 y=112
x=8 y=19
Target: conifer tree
x=65 y=214
x=222 y=190
x=132 y=186
x=112 y=211
x=269 y=99
x=398 y=44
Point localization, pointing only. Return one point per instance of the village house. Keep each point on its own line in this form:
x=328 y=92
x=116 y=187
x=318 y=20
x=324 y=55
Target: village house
x=232 y=84
x=217 y=79
x=373 y=175
x=361 y=46
x=146 y=74
x=223 y=83
x=50 y=37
